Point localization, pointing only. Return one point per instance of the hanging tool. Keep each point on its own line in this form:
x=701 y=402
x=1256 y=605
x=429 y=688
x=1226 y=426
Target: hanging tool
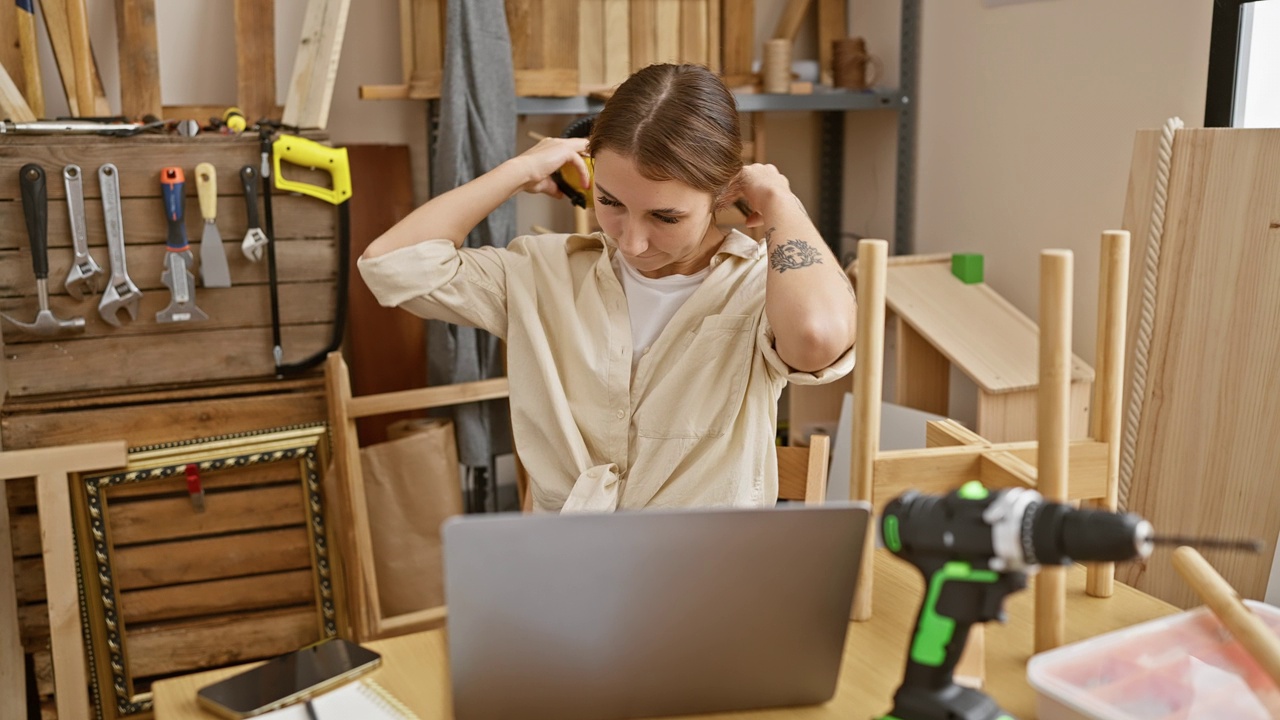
x=30 y=58
x=84 y=273
x=213 y=258
x=35 y=207
x=121 y=292
x=254 y=238
x=308 y=153
x=178 y=260
x=112 y=128
x=975 y=547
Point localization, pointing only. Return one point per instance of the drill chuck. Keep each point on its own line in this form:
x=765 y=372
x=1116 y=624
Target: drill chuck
x=1058 y=534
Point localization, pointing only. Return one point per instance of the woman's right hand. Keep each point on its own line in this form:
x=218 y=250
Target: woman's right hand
x=539 y=162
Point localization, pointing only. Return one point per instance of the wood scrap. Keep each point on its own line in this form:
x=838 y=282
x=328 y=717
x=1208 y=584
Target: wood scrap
x=12 y=104
x=139 y=58
x=315 y=67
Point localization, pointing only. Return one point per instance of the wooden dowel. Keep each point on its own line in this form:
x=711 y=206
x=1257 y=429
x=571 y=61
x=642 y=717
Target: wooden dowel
x=1246 y=627
x=868 y=376
x=81 y=54
x=1052 y=429
x=1113 y=303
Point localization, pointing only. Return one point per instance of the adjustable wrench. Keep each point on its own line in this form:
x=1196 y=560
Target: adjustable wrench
x=121 y=292
x=84 y=273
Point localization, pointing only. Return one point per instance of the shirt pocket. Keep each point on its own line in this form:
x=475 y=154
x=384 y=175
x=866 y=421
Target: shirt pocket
x=704 y=394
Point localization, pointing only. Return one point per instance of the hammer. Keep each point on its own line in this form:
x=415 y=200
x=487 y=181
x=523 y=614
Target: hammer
x=35 y=206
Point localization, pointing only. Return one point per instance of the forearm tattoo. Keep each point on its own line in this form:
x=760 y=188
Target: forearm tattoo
x=793 y=255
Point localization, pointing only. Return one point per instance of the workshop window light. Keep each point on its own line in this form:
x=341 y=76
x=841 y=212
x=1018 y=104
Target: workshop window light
x=1244 y=65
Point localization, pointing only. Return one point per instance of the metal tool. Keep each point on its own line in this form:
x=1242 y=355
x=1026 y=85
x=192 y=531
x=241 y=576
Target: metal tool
x=74 y=127
x=120 y=292
x=213 y=258
x=178 y=260
x=309 y=153
x=84 y=275
x=35 y=207
x=254 y=238
x=974 y=547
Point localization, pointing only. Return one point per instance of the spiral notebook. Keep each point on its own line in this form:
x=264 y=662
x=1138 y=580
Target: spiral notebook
x=364 y=699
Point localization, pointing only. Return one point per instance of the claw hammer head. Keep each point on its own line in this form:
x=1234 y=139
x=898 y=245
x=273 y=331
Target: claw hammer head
x=47 y=324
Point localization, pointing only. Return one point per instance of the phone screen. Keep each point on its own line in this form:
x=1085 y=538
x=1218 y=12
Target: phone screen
x=289 y=677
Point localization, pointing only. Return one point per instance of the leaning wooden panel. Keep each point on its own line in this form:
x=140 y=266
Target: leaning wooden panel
x=1206 y=452
x=117 y=655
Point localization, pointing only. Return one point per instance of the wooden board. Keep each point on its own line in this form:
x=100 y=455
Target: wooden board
x=591 y=45
x=315 y=66
x=979 y=331
x=737 y=38
x=166 y=649
x=644 y=33
x=617 y=41
x=423 y=55
x=13 y=688
x=255 y=59
x=694 y=37
x=1206 y=452
x=58 y=25
x=237 y=333
x=139 y=58
x=668 y=31
x=154 y=418
x=545 y=65
x=387 y=348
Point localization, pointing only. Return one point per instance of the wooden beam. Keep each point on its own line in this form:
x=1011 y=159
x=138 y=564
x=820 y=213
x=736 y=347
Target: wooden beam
x=1052 y=428
x=139 y=58
x=26 y=20
x=81 y=53
x=12 y=104
x=737 y=38
x=792 y=16
x=13 y=689
x=868 y=375
x=1004 y=469
x=255 y=59
x=53 y=500
x=315 y=66
x=1113 y=298
x=438 y=396
x=948 y=433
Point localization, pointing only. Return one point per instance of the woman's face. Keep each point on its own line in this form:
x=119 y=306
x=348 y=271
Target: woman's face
x=661 y=227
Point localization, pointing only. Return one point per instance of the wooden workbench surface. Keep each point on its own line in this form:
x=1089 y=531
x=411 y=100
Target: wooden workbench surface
x=415 y=667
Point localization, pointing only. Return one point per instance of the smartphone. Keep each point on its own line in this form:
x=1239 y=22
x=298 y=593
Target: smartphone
x=289 y=678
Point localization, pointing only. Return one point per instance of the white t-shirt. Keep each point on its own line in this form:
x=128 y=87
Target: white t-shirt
x=652 y=302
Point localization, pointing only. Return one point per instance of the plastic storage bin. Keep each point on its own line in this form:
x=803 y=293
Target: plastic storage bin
x=1182 y=667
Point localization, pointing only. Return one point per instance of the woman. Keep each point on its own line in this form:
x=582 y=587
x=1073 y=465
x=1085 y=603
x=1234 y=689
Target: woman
x=646 y=360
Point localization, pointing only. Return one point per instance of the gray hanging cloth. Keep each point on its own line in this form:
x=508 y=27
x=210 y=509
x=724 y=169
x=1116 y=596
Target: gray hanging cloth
x=477 y=133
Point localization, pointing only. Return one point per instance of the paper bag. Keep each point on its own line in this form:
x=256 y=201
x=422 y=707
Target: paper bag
x=411 y=486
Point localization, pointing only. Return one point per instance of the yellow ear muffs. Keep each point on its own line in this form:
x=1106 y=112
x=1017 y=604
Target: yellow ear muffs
x=567 y=178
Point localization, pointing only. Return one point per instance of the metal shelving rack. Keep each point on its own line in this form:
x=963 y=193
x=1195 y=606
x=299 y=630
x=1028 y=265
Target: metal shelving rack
x=832 y=104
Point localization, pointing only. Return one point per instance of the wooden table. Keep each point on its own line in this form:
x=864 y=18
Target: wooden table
x=415 y=667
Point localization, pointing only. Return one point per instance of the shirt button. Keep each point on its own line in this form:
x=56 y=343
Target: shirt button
x=622 y=414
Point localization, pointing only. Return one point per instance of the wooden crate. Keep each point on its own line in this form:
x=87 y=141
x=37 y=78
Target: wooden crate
x=195 y=590
x=234 y=344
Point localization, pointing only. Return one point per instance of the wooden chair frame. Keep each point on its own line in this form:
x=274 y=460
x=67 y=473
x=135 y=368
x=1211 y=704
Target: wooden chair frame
x=957 y=455
x=365 y=618
x=51 y=468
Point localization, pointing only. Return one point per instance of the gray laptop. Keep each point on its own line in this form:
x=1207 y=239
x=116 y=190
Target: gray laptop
x=650 y=613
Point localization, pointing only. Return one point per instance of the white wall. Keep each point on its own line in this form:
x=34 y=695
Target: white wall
x=1027 y=118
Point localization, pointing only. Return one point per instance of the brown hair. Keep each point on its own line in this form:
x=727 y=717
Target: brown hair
x=676 y=122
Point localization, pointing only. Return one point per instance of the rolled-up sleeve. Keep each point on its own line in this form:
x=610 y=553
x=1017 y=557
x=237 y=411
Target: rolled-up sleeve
x=436 y=280
x=842 y=366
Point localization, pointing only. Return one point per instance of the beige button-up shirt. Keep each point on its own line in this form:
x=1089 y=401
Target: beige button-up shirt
x=695 y=426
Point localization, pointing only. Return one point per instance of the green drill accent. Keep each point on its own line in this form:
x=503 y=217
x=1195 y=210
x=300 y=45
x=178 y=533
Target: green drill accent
x=967 y=267
x=929 y=647
x=891 y=537
x=973 y=490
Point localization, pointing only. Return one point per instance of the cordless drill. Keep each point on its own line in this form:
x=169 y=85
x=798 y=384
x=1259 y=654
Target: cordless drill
x=975 y=547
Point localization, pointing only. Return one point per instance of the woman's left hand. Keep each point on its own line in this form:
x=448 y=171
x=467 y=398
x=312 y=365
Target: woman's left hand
x=760 y=184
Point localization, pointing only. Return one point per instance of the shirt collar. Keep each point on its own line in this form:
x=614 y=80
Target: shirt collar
x=735 y=243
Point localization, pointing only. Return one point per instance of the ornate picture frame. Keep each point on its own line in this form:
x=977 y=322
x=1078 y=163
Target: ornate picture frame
x=297 y=454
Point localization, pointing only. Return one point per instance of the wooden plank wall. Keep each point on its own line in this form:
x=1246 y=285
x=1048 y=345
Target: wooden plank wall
x=233 y=344
x=545 y=64
x=168 y=622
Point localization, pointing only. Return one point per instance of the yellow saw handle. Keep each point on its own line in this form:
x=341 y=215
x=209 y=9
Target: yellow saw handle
x=309 y=153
